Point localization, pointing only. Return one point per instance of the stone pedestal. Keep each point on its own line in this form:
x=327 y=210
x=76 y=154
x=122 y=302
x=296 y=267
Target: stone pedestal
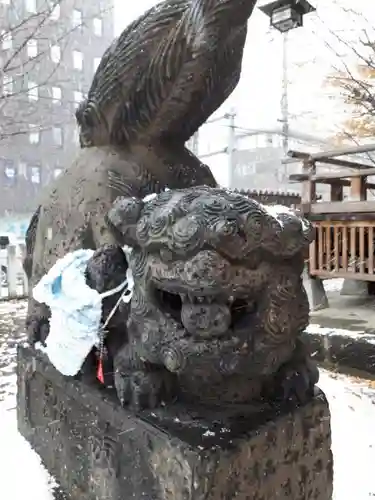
x=98 y=451
x=355 y=288
x=315 y=291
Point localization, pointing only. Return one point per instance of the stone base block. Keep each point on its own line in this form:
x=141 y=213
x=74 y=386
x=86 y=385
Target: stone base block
x=355 y=288
x=99 y=451
x=315 y=291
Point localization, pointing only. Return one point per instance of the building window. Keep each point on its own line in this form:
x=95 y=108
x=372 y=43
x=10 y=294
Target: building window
x=78 y=97
x=96 y=63
x=77 y=18
x=55 y=54
x=35 y=175
x=57 y=172
x=6 y=38
x=32 y=91
x=98 y=26
x=55 y=12
x=77 y=59
x=22 y=169
x=34 y=134
x=10 y=171
x=7 y=85
x=56 y=94
x=57 y=136
x=32 y=48
x=5 y=2
x=30 y=5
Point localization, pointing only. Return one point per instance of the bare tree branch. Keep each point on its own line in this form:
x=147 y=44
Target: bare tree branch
x=354 y=74
x=21 y=75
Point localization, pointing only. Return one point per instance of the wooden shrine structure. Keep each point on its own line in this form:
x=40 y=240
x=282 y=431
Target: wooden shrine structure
x=345 y=222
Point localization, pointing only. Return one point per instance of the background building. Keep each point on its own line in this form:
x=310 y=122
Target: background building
x=49 y=51
x=252 y=159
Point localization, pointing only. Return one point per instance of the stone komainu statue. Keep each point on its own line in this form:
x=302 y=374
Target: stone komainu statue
x=156 y=84
x=218 y=304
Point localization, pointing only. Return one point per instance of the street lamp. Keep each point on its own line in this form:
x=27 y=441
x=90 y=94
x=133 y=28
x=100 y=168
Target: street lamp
x=286 y=15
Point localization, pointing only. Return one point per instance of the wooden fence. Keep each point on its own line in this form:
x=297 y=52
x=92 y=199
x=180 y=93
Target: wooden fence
x=344 y=245
x=13 y=278
x=343 y=250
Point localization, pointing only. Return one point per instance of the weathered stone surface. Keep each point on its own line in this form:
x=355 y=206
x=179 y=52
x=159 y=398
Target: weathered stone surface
x=156 y=85
x=99 y=451
x=73 y=209
x=356 y=288
x=168 y=71
x=218 y=304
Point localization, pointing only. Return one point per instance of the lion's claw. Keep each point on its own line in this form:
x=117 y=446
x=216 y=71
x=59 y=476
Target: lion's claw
x=144 y=390
x=37 y=329
x=295 y=380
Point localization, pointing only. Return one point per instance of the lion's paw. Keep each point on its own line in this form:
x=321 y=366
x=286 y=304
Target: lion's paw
x=296 y=379
x=144 y=390
x=37 y=328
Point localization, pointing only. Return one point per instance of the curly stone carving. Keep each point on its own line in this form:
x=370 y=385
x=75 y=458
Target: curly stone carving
x=156 y=84
x=218 y=303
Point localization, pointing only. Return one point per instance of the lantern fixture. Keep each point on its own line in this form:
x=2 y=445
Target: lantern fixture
x=286 y=15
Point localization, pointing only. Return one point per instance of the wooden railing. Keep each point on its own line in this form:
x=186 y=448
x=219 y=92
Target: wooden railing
x=13 y=281
x=344 y=245
x=343 y=249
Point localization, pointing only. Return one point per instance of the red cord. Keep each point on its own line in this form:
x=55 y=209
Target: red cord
x=99 y=373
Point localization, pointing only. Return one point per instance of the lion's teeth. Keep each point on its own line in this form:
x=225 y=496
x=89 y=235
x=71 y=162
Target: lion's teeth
x=197 y=299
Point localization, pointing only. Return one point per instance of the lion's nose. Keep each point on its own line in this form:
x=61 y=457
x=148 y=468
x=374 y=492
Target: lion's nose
x=206 y=320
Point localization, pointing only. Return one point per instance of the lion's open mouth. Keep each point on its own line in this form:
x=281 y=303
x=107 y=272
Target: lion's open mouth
x=205 y=316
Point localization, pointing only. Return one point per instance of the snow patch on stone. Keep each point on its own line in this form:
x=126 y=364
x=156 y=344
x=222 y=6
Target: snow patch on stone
x=315 y=329
x=152 y=196
x=276 y=210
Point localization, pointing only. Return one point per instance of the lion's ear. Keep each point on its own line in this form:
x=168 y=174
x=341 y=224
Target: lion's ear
x=123 y=218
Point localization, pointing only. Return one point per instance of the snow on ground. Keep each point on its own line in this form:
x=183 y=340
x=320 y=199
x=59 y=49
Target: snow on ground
x=21 y=473
x=343 y=332
x=352 y=403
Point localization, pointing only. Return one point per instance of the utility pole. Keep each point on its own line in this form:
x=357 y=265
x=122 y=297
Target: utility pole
x=193 y=143
x=284 y=96
x=231 y=149
x=284 y=101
